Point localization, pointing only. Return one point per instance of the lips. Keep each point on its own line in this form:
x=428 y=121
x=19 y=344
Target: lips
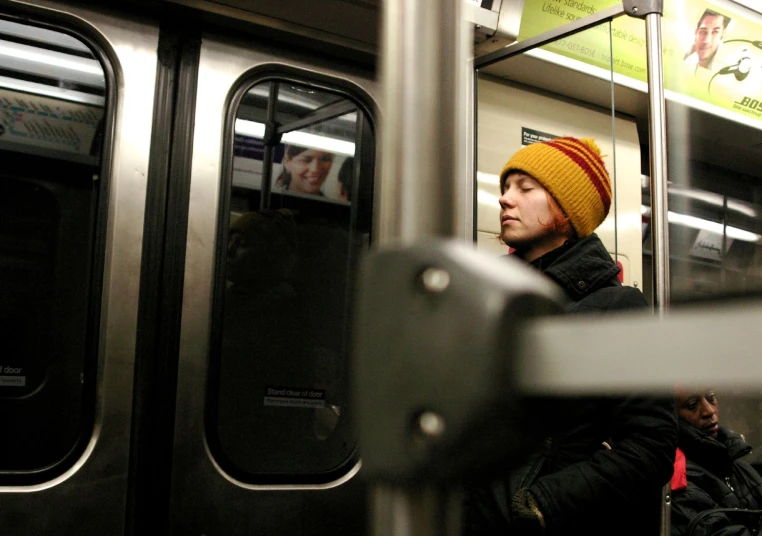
x=508 y=219
x=712 y=428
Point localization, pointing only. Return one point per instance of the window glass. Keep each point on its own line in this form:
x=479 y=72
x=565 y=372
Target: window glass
x=714 y=136
x=52 y=109
x=298 y=216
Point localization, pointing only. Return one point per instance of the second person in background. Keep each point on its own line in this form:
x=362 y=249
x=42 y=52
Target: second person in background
x=605 y=459
x=714 y=491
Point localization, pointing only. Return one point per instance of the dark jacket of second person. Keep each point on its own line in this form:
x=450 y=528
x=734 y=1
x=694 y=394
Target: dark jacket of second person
x=580 y=485
x=717 y=480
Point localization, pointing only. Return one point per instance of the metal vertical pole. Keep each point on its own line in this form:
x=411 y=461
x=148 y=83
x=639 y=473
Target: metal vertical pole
x=723 y=265
x=421 y=79
x=466 y=154
x=423 y=75
x=416 y=512
x=270 y=142
x=657 y=131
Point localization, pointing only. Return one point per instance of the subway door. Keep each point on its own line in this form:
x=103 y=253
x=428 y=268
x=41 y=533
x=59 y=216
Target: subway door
x=280 y=209
x=76 y=102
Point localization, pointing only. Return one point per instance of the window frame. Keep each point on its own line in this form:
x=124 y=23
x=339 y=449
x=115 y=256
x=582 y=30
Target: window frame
x=92 y=361
x=269 y=73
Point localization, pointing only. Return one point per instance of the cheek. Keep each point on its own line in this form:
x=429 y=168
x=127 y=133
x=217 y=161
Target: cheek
x=298 y=169
x=687 y=416
x=539 y=206
x=291 y=167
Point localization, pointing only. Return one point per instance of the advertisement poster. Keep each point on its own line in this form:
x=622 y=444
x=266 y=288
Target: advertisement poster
x=333 y=178
x=45 y=122
x=712 y=53
x=720 y=61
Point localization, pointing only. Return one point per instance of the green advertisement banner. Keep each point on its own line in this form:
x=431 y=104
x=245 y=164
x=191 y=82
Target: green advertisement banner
x=712 y=52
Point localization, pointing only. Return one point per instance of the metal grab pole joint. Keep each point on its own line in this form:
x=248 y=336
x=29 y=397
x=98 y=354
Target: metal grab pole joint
x=642 y=8
x=436 y=397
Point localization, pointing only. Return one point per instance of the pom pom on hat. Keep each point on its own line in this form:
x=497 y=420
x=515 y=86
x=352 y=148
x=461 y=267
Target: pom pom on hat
x=572 y=171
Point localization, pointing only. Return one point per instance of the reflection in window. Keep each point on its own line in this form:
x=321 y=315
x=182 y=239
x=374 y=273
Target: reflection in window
x=52 y=109
x=308 y=133
x=715 y=217
x=299 y=204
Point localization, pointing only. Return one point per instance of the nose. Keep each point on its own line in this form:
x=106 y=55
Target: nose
x=707 y=410
x=314 y=166
x=507 y=199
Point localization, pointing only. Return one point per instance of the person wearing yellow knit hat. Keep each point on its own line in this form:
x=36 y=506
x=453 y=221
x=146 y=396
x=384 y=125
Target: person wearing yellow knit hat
x=566 y=174
x=606 y=459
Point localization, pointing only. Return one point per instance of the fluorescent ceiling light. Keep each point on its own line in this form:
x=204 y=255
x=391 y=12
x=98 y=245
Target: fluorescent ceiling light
x=714 y=227
x=319 y=142
x=51 y=91
x=714 y=199
x=42 y=35
x=706 y=225
x=49 y=57
x=249 y=128
x=304 y=139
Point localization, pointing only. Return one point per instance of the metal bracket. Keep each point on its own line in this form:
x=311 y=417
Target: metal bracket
x=641 y=8
x=433 y=369
x=507 y=27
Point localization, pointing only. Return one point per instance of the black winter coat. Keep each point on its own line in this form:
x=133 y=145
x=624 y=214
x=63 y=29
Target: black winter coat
x=580 y=485
x=717 y=479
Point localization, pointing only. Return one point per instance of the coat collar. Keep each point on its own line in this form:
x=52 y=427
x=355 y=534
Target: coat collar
x=580 y=267
x=718 y=454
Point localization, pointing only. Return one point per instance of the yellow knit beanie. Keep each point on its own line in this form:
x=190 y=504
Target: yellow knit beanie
x=572 y=171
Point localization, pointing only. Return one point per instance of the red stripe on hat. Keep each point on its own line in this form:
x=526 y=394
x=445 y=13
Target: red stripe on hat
x=589 y=171
x=592 y=156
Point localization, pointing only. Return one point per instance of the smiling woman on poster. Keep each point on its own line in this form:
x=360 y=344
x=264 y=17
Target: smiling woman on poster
x=707 y=40
x=304 y=170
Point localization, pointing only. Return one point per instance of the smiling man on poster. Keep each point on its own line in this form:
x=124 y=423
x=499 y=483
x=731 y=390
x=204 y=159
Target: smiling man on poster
x=708 y=37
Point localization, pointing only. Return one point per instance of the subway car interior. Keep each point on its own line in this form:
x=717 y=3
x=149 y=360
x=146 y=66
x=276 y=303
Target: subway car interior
x=190 y=189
